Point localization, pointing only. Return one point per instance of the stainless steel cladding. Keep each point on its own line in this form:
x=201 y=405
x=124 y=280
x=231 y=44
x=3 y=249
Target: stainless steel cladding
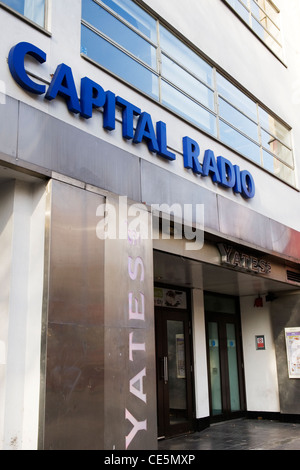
x=100 y=373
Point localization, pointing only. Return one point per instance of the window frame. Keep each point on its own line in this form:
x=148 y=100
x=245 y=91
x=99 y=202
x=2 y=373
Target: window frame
x=246 y=4
x=214 y=88
x=44 y=29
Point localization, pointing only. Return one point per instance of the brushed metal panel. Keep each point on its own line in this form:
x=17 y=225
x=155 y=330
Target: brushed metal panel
x=75 y=387
x=130 y=379
x=162 y=187
x=54 y=145
x=119 y=370
x=9 y=126
x=285 y=240
x=100 y=375
x=240 y=223
x=210 y=276
x=75 y=337
x=76 y=282
x=47 y=144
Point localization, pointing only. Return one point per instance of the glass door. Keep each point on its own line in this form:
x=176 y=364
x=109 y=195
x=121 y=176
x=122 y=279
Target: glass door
x=174 y=375
x=215 y=369
x=233 y=373
x=225 y=366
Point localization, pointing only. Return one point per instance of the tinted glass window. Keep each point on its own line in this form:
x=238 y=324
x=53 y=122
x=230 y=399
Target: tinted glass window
x=126 y=40
x=31 y=9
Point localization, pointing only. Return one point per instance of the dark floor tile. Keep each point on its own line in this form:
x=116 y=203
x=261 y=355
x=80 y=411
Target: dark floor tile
x=239 y=435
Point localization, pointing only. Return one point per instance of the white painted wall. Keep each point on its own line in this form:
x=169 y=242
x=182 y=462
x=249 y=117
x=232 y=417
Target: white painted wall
x=6 y=227
x=219 y=34
x=200 y=355
x=260 y=366
x=22 y=231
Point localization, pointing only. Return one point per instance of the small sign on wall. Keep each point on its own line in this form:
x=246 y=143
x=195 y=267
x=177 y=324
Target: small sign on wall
x=292 y=339
x=260 y=343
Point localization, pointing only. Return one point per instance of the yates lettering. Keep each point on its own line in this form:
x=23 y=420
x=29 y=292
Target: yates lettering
x=137 y=311
x=243 y=261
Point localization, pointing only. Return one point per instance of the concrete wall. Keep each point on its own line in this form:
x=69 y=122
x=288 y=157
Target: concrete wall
x=259 y=366
x=22 y=230
x=200 y=355
x=285 y=314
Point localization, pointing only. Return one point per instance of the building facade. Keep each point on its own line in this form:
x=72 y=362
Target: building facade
x=149 y=179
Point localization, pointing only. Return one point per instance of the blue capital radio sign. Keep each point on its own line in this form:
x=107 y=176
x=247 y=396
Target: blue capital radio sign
x=92 y=96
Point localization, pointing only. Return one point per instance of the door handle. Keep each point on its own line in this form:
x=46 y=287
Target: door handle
x=166 y=370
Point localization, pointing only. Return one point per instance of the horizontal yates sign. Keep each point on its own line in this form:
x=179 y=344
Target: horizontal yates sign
x=243 y=262
x=92 y=95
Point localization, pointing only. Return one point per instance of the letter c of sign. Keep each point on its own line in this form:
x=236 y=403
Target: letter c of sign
x=16 y=65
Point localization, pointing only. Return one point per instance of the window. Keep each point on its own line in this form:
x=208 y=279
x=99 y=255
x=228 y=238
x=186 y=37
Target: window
x=34 y=10
x=245 y=126
x=263 y=17
x=122 y=37
x=127 y=41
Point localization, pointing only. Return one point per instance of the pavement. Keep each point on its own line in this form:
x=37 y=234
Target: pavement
x=241 y=434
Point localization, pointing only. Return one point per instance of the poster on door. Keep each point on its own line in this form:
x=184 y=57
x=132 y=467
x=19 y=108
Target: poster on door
x=170 y=298
x=292 y=338
x=180 y=357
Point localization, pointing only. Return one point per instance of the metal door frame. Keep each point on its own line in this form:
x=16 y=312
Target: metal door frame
x=222 y=319
x=162 y=315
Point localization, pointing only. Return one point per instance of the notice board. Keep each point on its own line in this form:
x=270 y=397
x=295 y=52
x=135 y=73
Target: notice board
x=292 y=338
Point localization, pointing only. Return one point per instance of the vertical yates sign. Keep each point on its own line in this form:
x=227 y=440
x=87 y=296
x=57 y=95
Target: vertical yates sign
x=129 y=345
x=92 y=95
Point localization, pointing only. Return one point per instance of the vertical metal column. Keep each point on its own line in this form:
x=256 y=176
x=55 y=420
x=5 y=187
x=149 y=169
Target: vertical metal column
x=129 y=361
x=100 y=390
x=75 y=347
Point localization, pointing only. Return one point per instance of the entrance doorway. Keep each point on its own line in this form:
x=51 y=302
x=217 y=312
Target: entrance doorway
x=174 y=367
x=225 y=364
